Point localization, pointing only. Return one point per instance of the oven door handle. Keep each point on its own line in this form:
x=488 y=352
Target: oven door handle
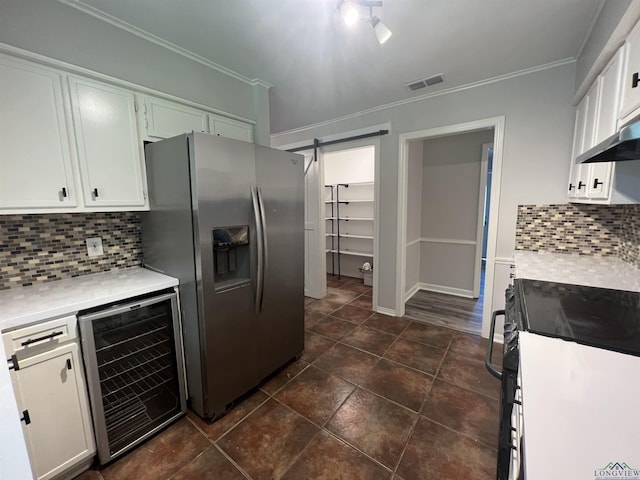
x=487 y=361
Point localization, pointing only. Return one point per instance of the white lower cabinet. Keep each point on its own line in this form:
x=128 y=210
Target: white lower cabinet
x=109 y=149
x=51 y=394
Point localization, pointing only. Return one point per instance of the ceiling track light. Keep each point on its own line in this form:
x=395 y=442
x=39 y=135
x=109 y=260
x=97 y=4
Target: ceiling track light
x=350 y=16
x=382 y=32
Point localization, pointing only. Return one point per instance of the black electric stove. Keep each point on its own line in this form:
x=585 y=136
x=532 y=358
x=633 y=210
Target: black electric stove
x=598 y=317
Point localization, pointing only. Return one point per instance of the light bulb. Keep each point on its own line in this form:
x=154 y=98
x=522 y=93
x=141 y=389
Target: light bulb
x=349 y=13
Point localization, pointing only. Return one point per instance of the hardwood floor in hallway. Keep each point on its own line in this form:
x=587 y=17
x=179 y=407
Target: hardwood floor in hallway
x=451 y=311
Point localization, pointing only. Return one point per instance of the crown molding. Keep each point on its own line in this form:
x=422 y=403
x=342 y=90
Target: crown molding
x=138 y=32
x=480 y=83
x=61 y=66
x=257 y=82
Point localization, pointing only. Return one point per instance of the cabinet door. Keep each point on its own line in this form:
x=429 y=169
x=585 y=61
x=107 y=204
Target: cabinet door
x=578 y=173
x=104 y=118
x=51 y=389
x=609 y=101
x=631 y=76
x=35 y=160
x=164 y=119
x=226 y=127
x=600 y=174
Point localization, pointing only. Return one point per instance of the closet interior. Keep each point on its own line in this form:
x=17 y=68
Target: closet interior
x=349 y=211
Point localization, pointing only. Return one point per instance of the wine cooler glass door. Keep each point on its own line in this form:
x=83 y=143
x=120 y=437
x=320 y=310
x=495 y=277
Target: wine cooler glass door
x=133 y=356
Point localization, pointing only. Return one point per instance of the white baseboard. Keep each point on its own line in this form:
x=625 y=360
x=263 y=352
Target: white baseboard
x=412 y=291
x=460 y=292
x=386 y=311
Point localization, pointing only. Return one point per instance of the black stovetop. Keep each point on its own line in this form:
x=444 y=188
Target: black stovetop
x=599 y=317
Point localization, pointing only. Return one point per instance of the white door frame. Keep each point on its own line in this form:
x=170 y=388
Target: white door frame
x=375 y=143
x=484 y=171
x=497 y=123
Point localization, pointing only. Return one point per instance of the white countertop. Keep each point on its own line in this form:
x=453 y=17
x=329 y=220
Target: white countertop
x=589 y=270
x=21 y=306
x=25 y=305
x=580 y=408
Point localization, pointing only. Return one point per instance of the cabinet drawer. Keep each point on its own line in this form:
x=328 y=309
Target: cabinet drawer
x=50 y=333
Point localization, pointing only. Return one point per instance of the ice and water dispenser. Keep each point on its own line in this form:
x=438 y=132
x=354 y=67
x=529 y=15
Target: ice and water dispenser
x=231 y=257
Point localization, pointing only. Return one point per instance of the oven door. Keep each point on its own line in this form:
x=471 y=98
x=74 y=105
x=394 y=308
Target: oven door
x=510 y=463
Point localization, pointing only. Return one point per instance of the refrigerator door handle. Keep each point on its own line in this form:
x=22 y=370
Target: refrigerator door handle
x=265 y=247
x=260 y=248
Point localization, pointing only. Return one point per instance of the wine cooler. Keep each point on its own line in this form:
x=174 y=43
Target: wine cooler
x=133 y=359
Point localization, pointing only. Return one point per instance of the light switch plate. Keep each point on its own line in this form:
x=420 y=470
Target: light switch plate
x=94 y=246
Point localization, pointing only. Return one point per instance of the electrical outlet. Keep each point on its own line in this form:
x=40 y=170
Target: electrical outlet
x=94 y=246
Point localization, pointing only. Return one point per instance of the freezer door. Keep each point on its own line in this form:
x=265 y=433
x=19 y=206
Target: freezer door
x=223 y=177
x=280 y=184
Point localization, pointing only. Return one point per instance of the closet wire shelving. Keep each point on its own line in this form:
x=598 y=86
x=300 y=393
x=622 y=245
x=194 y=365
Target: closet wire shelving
x=335 y=218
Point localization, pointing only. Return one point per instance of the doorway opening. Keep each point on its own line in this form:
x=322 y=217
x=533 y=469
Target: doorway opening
x=449 y=187
x=349 y=203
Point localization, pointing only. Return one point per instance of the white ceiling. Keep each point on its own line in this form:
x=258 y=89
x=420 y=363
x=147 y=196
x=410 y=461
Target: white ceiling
x=321 y=69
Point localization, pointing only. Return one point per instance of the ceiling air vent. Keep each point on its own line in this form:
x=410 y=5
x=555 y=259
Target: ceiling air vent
x=427 y=82
x=434 y=80
x=417 y=85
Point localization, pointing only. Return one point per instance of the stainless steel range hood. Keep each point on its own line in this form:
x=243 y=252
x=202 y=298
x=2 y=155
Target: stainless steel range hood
x=623 y=146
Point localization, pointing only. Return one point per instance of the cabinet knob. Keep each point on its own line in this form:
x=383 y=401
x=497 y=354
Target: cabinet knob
x=596 y=183
x=571 y=186
x=64 y=192
x=635 y=80
x=25 y=417
x=581 y=185
x=95 y=193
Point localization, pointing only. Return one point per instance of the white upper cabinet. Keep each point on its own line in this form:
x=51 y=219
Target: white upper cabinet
x=35 y=160
x=165 y=119
x=630 y=98
x=596 y=120
x=74 y=144
x=109 y=149
x=579 y=173
x=226 y=127
x=609 y=106
x=601 y=174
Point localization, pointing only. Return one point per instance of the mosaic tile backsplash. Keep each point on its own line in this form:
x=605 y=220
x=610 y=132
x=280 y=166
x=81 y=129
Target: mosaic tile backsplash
x=43 y=248
x=582 y=229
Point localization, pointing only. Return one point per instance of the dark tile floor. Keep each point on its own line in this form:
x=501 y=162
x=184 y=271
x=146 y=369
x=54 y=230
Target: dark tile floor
x=372 y=397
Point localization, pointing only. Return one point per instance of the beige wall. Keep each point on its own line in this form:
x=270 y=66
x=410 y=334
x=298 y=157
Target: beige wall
x=450 y=185
x=450 y=193
x=446 y=267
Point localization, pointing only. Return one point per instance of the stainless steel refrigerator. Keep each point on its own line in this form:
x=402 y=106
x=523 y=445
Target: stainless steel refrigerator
x=227 y=219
